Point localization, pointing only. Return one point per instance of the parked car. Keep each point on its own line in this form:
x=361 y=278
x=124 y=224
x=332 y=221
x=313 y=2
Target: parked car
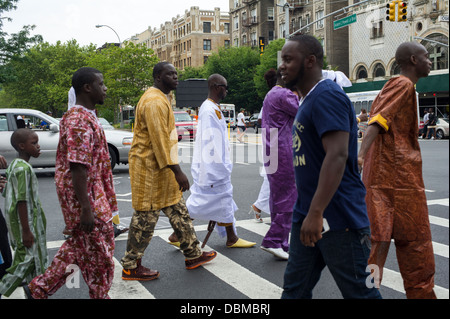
x=252 y=121
x=442 y=128
x=105 y=124
x=186 y=126
x=47 y=128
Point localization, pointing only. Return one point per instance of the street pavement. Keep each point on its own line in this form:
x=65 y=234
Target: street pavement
x=240 y=273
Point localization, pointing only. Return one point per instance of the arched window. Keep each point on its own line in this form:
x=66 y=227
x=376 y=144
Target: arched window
x=379 y=71
x=438 y=52
x=361 y=73
x=395 y=69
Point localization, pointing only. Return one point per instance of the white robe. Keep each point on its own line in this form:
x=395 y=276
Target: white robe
x=212 y=193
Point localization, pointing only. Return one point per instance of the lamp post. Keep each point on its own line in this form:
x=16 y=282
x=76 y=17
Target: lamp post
x=120 y=44
x=104 y=25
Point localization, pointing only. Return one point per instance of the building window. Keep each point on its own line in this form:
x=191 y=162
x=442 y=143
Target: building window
x=207 y=45
x=361 y=73
x=319 y=16
x=206 y=27
x=236 y=22
x=205 y=59
x=226 y=28
x=270 y=14
x=438 y=53
x=377 y=30
x=379 y=71
x=395 y=69
x=227 y=43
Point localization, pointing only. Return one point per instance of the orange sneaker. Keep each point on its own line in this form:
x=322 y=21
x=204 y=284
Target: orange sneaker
x=203 y=259
x=139 y=273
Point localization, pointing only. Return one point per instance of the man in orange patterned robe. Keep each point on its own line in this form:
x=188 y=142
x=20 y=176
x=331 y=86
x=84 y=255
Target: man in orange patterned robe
x=396 y=201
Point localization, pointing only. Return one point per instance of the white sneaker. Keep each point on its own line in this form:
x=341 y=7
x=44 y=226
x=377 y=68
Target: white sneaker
x=277 y=252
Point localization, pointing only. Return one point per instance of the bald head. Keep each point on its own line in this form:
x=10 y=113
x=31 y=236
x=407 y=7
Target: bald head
x=20 y=136
x=218 y=87
x=216 y=79
x=406 y=50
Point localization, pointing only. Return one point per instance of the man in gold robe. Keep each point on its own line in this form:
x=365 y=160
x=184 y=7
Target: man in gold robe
x=157 y=181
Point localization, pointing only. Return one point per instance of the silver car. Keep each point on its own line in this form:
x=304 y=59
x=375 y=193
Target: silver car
x=47 y=128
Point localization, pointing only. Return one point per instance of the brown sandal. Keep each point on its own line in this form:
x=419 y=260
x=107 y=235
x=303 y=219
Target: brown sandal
x=203 y=259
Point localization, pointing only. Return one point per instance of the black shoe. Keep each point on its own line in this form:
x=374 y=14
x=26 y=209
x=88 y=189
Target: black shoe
x=27 y=292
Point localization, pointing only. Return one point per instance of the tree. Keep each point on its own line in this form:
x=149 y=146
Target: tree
x=237 y=65
x=42 y=77
x=15 y=44
x=127 y=73
x=269 y=60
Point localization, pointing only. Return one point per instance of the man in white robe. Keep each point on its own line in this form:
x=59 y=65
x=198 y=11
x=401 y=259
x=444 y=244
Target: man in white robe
x=212 y=192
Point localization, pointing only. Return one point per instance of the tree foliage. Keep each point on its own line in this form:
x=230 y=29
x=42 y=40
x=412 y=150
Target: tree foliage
x=237 y=65
x=41 y=78
x=13 y=45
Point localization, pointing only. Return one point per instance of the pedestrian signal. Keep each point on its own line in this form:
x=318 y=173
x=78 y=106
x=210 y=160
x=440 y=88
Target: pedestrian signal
x=402 y=11
x=390 y=12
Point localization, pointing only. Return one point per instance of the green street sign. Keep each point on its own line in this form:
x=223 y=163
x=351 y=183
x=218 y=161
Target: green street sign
x=344 y=21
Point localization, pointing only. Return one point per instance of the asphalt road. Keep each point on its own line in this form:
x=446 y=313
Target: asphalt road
x=246 y=273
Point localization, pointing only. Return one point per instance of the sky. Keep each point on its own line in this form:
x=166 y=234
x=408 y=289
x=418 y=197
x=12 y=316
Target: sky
x=64 y=20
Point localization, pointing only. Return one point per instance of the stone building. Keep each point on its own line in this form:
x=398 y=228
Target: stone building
x=304 y=12
x=373 y=41
x=190 y=39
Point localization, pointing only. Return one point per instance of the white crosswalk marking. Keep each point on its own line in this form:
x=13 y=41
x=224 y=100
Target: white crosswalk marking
x=242 y=279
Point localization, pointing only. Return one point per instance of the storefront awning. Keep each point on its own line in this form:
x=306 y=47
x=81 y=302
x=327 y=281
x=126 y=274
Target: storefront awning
x=430 y=84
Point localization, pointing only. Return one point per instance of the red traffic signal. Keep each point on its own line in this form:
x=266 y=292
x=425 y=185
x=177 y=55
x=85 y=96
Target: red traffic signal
x=402 y=11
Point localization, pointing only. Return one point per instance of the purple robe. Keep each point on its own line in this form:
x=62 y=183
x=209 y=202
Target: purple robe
x=279 y=110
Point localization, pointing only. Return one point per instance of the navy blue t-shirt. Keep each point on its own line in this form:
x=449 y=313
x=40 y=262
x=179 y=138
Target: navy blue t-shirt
x=327 y=108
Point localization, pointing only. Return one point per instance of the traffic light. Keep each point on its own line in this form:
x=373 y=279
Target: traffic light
x=390 y=12
x=402 y=11
x=261 y=45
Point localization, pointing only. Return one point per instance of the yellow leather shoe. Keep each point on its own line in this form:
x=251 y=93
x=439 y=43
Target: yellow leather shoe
x=175 y=243
x=241 y=243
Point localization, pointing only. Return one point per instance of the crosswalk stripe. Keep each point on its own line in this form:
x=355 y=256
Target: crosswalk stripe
x=443 y=202
x=127 y=289
x=394 y=281
x=438 y=221
x=240 y=278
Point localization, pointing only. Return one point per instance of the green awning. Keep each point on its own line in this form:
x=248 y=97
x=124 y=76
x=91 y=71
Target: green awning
x=430 y=84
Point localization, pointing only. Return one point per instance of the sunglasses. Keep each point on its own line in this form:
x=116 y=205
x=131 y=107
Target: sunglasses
x=225 y=86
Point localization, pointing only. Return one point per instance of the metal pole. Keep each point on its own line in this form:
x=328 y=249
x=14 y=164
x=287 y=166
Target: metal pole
x=104 y=25
x=330 y=14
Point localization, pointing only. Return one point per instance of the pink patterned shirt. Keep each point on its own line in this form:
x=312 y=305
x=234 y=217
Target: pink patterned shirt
x=82 y=140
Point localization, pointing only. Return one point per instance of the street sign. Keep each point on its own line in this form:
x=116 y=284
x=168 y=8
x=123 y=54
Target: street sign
x=344 y=21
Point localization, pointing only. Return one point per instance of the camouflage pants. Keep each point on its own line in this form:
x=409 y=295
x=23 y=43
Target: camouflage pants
x=142 y=227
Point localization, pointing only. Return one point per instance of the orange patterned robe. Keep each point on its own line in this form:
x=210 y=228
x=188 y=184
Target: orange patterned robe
x=396 y=201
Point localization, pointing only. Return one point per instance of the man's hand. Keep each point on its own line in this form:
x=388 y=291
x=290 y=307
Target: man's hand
x=181 y=178
x=3 y=163
x=87 y=220
x=311 y=231
x=27 y=238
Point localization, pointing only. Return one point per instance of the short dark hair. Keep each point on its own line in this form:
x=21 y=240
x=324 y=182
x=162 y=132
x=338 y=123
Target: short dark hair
x=82 y=76
x=158 y=68
x=310 y=46
x=20 y=136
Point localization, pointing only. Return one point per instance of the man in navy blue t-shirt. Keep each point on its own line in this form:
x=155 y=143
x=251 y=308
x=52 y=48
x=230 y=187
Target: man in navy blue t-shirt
x=328 y=182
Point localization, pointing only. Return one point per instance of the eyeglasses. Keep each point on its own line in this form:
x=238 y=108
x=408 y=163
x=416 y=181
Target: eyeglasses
x=225 y=86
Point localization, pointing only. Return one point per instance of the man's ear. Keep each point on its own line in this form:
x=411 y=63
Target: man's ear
x=310 y=61
x=413 y=59
x=21 y=146
x=87 y=87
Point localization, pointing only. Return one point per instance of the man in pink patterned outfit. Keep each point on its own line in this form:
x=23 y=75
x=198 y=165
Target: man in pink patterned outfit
x=84 y=185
